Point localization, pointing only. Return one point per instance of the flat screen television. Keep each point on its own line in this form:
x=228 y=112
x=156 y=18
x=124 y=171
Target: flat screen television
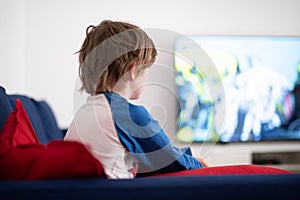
x=260 y=76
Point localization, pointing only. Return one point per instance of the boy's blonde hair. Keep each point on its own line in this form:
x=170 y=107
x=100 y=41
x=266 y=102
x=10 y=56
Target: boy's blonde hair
x=108 y=52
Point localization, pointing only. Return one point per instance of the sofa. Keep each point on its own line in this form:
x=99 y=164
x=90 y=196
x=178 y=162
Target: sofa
x=35 y=163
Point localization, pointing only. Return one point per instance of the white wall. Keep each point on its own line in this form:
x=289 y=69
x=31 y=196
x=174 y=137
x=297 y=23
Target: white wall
x=39 y=38
x=12 y=57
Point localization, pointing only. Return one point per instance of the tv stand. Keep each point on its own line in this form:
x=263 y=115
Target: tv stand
x=284 y=160
x=281 y=154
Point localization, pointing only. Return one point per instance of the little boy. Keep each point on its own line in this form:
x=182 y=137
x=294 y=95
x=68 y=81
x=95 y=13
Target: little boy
x=114 y=62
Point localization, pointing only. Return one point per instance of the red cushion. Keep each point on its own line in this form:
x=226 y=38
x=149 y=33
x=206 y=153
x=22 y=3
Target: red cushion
x=229 y=170
x=62 y=159
x=17 y=129
x=23 y=158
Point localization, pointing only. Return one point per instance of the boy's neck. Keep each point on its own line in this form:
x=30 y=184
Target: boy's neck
x=123 y=90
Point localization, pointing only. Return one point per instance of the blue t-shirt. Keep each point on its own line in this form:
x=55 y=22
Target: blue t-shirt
x=143 y=137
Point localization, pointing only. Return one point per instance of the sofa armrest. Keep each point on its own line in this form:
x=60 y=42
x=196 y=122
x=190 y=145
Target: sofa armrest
x=201 y=187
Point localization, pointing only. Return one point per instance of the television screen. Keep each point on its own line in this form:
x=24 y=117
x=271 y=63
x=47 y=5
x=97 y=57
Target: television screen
x=260 y=76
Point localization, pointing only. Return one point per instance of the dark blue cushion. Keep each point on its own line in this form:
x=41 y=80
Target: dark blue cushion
x=5 y=107
x=50 y=125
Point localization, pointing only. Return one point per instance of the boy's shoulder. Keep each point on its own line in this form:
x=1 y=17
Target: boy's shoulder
x=125 y=110
x=139 y=114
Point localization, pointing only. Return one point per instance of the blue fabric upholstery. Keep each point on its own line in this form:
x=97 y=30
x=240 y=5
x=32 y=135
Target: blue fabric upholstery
x=40 y=114
x=51 y=129
x=250 y=187
x=5 y=107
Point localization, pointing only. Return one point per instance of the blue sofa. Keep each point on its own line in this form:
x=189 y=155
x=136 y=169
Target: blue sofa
x=275 y=186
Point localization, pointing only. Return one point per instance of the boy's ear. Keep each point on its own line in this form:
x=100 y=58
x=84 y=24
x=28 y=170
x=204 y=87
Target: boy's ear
x=132 y=71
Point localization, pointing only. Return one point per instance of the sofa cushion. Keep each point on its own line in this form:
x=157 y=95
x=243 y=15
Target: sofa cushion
x=23 y=158
x=51 y=128
x=229 y=170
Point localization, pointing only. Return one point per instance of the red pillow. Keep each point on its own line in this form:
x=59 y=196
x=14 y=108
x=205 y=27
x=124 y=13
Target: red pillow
x=17 y=129
x=23 y=158
x=229 y=170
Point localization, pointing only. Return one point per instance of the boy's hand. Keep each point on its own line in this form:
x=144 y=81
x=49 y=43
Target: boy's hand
x=203 y=162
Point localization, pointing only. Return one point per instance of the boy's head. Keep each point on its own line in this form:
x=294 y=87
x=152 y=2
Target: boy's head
x=109 y=51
